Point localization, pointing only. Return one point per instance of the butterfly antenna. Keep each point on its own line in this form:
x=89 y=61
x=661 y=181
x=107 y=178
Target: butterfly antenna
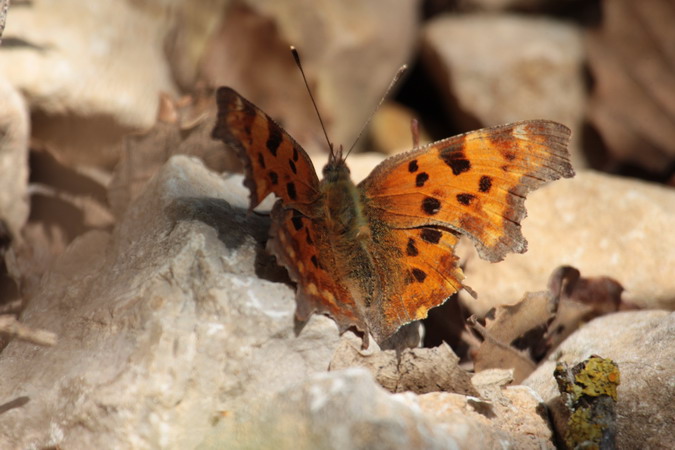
x=296 y=56
x=394 y=82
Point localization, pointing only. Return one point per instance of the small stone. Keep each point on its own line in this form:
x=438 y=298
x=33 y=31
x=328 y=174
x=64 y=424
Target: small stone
x=642 y=344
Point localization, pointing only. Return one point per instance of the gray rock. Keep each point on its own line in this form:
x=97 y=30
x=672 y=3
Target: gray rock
x=642 y=343
x=90 y=82
x=602 y=225
x=172 y=334
x=504 y=68
x=161 y=325
x=14 y=134
x=347 y=410
x=350 y=53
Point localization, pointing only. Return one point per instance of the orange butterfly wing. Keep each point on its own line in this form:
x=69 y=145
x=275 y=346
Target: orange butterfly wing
x=473 y=184
x=273 y=161
x=302 y=246
x=418 y=271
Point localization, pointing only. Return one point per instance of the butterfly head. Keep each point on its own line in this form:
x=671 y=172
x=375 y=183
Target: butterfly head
x=336 y=169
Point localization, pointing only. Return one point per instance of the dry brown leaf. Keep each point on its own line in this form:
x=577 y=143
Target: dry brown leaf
x=519 y=336
x=509 y=322
x=581 y=300
x=419 y=370
x=248 y=53
x=632 y=58
x=505 y=324
x=495 y=354
x=183 y=127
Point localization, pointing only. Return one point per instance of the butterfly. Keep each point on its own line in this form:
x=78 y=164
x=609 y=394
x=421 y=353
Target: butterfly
x=380 y=254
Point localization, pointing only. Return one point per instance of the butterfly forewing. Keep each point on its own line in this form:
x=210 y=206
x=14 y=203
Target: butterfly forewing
x=473 y=183
x=273 y=161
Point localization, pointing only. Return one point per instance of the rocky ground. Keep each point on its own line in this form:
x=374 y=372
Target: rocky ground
x=139 y=308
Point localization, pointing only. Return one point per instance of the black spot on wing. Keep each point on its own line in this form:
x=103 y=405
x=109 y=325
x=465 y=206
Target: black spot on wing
x=485 y=184
x=419 y=275
x=411 y=248
x=421 y=179
x=412 y=166
x=431 y=236
x=274 y=178
x=290 y=189
x=274 y=140
x=297 y=222
x=456 y=160
x=261 y=160
x=431 y=205
x=292 y=166
x=465 y=199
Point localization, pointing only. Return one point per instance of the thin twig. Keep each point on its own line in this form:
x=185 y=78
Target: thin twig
x=11 y=307
x=9 y=325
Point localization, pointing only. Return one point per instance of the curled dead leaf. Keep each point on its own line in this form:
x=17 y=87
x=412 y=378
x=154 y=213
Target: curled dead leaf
x=519 y=336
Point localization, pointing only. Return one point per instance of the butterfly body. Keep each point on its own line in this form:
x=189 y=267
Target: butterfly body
x=380 y=254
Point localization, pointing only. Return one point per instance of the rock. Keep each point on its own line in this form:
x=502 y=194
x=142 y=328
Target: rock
x=600 y=224
x=502 y=5
x=161 y=324
x=14 y=134
x=92 y=82
x=418 y=370
x=496 y=69
x=390 y=131
x=630 y=58
x=642 y=343
x=171 y=332
x=516 y=418
x=347 y=409
x=349 y=56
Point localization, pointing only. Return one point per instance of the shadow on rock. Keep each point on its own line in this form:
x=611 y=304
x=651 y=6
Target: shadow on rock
x=233 y=224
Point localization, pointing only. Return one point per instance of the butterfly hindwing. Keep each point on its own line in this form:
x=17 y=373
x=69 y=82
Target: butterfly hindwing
x=273 y=161
x=424 y=274
x=473 y=183
x=301 y=246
